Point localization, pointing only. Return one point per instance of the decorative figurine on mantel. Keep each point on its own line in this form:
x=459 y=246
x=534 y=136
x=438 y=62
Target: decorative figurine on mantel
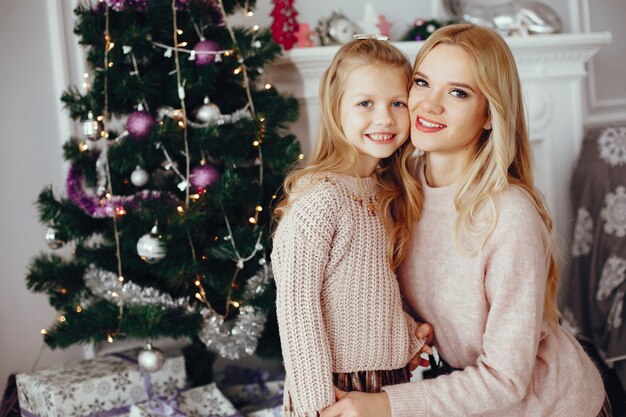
x=384 y=26
x=370 y=20
x=336 y=29
x=510 y=18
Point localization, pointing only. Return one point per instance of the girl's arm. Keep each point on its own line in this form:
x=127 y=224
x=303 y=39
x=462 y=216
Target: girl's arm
x=301 y=251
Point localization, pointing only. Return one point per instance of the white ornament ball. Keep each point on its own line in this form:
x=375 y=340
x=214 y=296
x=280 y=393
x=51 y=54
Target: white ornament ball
x=208 y=112
x=139 y=177
x=150 y=359
x=150 y=248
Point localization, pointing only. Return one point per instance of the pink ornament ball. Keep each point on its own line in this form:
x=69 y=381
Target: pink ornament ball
x=201 y=48
x=204 y=176
x=140 y=125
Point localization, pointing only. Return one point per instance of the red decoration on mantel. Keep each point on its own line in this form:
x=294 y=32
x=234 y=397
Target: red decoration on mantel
x=384 y=25
x=304 y=36
x=285 y=25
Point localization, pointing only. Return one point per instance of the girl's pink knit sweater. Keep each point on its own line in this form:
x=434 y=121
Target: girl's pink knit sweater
x=487 y=313
x=338 y=302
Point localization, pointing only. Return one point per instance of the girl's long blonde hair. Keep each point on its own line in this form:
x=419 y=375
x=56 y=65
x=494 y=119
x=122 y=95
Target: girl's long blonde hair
x=400 y=194
x=503 y=155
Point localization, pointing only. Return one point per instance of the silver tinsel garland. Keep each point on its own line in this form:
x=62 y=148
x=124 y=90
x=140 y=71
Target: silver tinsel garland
x=234 y=338
x=231 y=339
x=104 y=284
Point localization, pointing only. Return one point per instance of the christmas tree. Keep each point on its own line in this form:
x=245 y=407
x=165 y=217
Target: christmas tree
x=170 y=186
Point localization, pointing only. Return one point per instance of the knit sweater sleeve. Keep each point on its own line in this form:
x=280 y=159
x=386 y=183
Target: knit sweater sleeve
x=515 y=264
x=415 y=344
x=301 y=252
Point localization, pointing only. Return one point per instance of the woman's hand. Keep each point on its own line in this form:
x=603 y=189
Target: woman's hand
x=424 y=331
x=358 y=404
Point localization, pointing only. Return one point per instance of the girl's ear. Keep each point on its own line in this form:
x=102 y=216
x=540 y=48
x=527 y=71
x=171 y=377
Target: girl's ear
x=487 y=125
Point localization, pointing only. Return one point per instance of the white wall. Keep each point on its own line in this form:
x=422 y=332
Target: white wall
x=606 y=84
x=37 y=56
x=30 y=157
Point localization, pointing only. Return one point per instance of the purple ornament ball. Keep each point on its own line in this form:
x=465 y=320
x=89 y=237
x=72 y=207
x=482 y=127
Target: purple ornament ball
x=201 y=48
x=140 y=124
x=204 y=176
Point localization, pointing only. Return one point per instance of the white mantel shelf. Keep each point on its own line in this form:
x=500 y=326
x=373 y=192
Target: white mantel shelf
x=551 y=67
x=539 y=48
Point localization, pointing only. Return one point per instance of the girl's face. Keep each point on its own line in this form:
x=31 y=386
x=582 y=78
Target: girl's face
x=448 y=111
x=373 y=113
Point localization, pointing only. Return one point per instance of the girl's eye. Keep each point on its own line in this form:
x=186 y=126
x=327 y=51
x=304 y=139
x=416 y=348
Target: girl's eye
x=420 y=82
x=398 y=104
x=366 y=103
x=458 y=93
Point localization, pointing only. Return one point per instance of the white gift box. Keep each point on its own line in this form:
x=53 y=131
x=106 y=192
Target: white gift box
x=204 y=401
x=102 y=387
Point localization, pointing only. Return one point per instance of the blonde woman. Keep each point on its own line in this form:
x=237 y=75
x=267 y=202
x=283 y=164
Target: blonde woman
x=481 y=267
x=344 y=226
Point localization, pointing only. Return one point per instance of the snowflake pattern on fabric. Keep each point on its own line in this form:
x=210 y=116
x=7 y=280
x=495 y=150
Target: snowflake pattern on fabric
x=613 y=275
x=97 y=406
x=121 y=382
x=583 y=233
x=615 y=314
x=88 y=386
x=79 y=410
x=612 y=146
x=614 y=212
x=67 y=393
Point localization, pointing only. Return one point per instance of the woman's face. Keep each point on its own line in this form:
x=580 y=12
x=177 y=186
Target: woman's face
x=448 y=111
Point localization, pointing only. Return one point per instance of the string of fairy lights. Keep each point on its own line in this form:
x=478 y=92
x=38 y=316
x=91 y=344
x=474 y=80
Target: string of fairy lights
x=123 y=292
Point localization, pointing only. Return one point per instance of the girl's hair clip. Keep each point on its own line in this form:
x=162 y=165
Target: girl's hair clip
x=370 y=36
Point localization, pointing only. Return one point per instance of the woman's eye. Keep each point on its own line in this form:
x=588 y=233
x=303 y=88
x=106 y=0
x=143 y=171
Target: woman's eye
x=458 y=93
x=420 y=82
x=366 y=103
x=398 y=104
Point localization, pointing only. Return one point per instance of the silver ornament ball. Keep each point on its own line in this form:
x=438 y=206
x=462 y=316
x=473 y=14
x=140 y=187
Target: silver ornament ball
x=150 y=248
x=208 y=112
x=150 y=359
x=139 y=177
x=54 y=238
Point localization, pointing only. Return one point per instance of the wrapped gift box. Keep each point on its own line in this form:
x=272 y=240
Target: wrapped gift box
x=246 y=387
x=104 y=386
x=204 y=401
x=255 y=392
x=242 y=395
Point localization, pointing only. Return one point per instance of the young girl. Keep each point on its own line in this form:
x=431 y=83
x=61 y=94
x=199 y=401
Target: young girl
x=481 y=267
x=337 y=244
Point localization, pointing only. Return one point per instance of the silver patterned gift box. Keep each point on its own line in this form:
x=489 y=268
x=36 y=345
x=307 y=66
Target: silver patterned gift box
x=102 y=387
x=204 y=401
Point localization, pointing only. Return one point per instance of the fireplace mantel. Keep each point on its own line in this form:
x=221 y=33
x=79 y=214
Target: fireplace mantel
x=551 y=67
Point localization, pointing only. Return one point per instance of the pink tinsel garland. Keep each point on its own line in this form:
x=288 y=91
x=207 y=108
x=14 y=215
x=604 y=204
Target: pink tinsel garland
x=98 y=207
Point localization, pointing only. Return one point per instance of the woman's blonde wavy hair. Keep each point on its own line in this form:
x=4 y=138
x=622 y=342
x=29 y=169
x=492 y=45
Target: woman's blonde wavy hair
x=400 y=194
x=503 y=155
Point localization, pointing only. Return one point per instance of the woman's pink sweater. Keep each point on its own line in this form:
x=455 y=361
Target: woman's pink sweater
x=487 y=313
